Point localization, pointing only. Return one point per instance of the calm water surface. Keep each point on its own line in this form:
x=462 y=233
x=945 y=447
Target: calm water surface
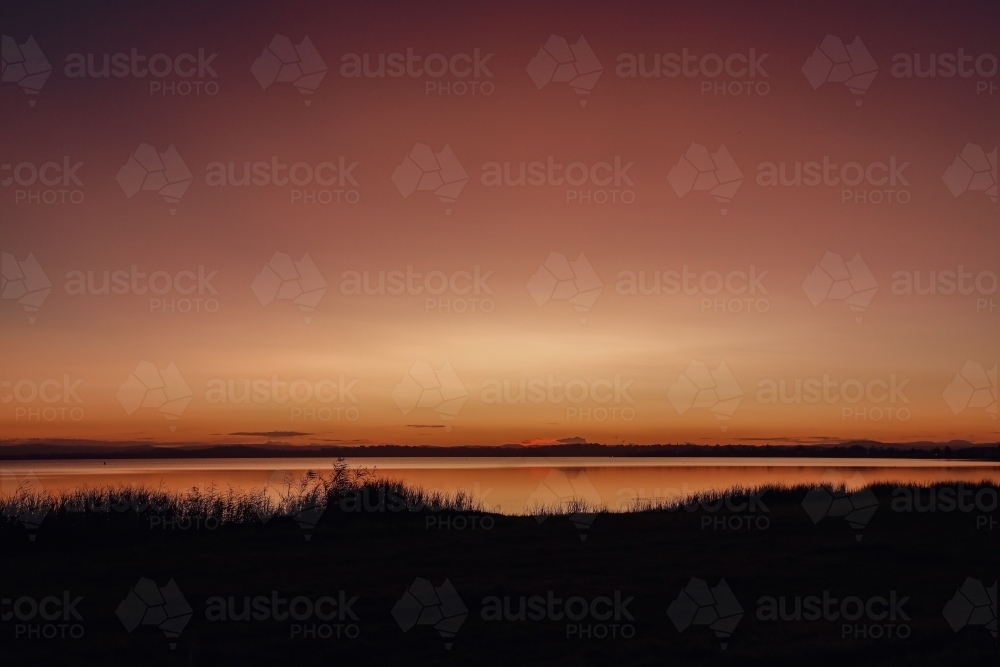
x=508 y=485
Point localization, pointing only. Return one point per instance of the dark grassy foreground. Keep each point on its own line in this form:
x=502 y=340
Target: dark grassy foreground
x=98 y=544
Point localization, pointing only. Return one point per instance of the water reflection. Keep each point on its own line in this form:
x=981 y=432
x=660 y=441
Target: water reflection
x=513 y=485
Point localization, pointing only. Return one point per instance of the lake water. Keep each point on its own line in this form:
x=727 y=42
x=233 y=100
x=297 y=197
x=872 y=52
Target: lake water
x=508 y=485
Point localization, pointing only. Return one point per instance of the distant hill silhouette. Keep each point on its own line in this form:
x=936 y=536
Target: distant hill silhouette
x=87 y=449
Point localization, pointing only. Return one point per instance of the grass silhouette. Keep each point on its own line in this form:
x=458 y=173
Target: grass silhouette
x=372 y=536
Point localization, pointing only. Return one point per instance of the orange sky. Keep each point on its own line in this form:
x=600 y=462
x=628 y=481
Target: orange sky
x=359 y=349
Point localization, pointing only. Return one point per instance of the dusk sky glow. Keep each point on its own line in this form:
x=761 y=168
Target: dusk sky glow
x=709 y=312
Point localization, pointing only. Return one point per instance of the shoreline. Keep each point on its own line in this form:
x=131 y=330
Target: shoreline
x=955 y=450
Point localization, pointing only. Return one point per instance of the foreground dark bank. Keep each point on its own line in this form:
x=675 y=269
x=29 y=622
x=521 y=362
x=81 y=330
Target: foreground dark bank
x=347 y=569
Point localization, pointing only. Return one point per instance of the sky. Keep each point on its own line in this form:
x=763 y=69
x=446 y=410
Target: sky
x=661 y=275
